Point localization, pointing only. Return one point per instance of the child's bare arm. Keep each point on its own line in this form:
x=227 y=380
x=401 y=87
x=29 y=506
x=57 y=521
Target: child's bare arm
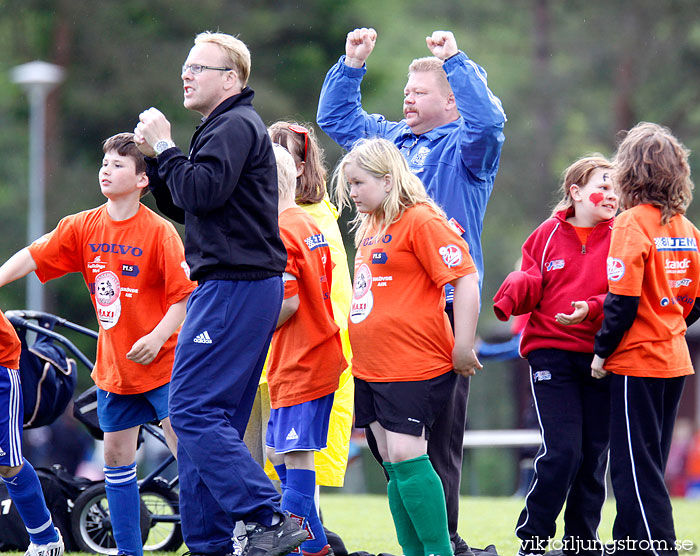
x=17 y=266
x=289 y=307
x=146 y=348
x=466 y=315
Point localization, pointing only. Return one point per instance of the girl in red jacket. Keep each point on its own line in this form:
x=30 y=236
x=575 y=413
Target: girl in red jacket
x=564 y=260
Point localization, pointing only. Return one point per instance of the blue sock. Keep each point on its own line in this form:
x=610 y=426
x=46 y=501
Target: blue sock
x=282 y=474
x=124 y=508
x=301 y=487
x=26 y=494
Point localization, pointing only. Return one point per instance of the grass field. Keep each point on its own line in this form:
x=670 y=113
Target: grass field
x=364 y=522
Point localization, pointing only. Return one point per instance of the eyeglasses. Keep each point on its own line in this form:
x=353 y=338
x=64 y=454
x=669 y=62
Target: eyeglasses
x=199 y=68
x=301 y=130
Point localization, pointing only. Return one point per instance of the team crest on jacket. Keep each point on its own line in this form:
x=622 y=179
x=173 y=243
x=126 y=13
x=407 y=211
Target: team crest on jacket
x=616 y=269
x=556 y=264
x=451 y=255
x=419 y=158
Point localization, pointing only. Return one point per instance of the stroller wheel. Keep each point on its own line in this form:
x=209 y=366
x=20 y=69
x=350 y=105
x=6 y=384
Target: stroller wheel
x=163 y=505
x=91 y=523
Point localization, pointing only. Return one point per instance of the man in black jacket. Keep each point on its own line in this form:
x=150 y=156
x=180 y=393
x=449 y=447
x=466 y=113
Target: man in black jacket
x=225 y=192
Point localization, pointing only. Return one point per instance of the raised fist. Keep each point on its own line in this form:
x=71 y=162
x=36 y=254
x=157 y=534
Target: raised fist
x=359 y=45
x=442 y=44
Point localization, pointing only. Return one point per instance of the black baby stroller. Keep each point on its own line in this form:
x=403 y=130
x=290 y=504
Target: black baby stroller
x=48 y=381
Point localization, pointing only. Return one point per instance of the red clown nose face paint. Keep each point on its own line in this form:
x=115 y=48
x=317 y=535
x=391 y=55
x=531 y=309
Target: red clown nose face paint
x=596 y=198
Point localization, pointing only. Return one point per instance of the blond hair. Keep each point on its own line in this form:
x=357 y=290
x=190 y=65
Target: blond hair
x=311 y=184
x=235 y=51
x=380 y=158
x=431 y=64
x=286 y=172
x=651 y=167
x=579 y=173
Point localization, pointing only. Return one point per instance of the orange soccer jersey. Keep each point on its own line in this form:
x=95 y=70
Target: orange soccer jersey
x=306 y=356
x=10 y=346
x=399 y=330
x=660 y=265
x=134 y=269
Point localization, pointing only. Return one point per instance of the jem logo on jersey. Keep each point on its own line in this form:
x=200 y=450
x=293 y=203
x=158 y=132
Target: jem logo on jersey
x=675 y=244
x=316 y=241
x=116 y=248
x=379 y=256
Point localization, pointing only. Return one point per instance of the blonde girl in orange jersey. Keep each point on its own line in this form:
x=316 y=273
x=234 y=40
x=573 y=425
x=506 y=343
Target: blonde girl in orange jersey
x=653 y=278
x=405 y=357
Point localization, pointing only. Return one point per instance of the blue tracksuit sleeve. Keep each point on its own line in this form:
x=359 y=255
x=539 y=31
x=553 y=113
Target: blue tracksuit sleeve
x=340 y=112
x=481 y=130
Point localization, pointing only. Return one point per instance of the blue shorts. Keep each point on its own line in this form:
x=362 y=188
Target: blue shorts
x=118 y=412
x=300 y=428
x=11 y=418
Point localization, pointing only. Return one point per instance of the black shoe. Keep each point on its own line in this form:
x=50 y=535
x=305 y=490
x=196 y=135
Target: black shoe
x=460 y=547
x=276 y=540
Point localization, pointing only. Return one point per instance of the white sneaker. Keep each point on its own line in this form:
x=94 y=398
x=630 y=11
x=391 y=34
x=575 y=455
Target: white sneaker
x=49 y=549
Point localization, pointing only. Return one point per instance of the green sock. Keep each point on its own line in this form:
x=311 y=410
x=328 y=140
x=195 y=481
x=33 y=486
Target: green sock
x=424 y=499
x=405 y=532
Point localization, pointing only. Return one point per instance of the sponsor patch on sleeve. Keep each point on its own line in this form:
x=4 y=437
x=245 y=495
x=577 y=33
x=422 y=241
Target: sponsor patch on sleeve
x=616 y=269
x=451 y=255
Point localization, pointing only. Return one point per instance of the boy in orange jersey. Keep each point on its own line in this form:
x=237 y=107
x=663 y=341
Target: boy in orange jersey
x=653 y=278
x=133 y=263
x=306 y=360
x=17 y=473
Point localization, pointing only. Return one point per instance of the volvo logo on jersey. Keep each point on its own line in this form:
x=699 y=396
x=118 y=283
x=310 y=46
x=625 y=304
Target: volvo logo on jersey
x=116 y=248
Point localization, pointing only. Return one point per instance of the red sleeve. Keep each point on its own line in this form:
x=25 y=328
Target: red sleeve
x=595 y=307
x=519 y=294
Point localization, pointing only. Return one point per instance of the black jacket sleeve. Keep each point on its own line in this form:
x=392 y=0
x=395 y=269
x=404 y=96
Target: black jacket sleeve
x=619 y=314
x=694 y=313
x=161 y=193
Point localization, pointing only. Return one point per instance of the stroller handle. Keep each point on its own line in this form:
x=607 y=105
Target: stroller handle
x=45 y=322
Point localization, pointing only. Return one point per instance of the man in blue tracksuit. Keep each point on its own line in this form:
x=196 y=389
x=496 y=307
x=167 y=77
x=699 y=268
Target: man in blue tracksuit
x=451 y=135
x=225 y=192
